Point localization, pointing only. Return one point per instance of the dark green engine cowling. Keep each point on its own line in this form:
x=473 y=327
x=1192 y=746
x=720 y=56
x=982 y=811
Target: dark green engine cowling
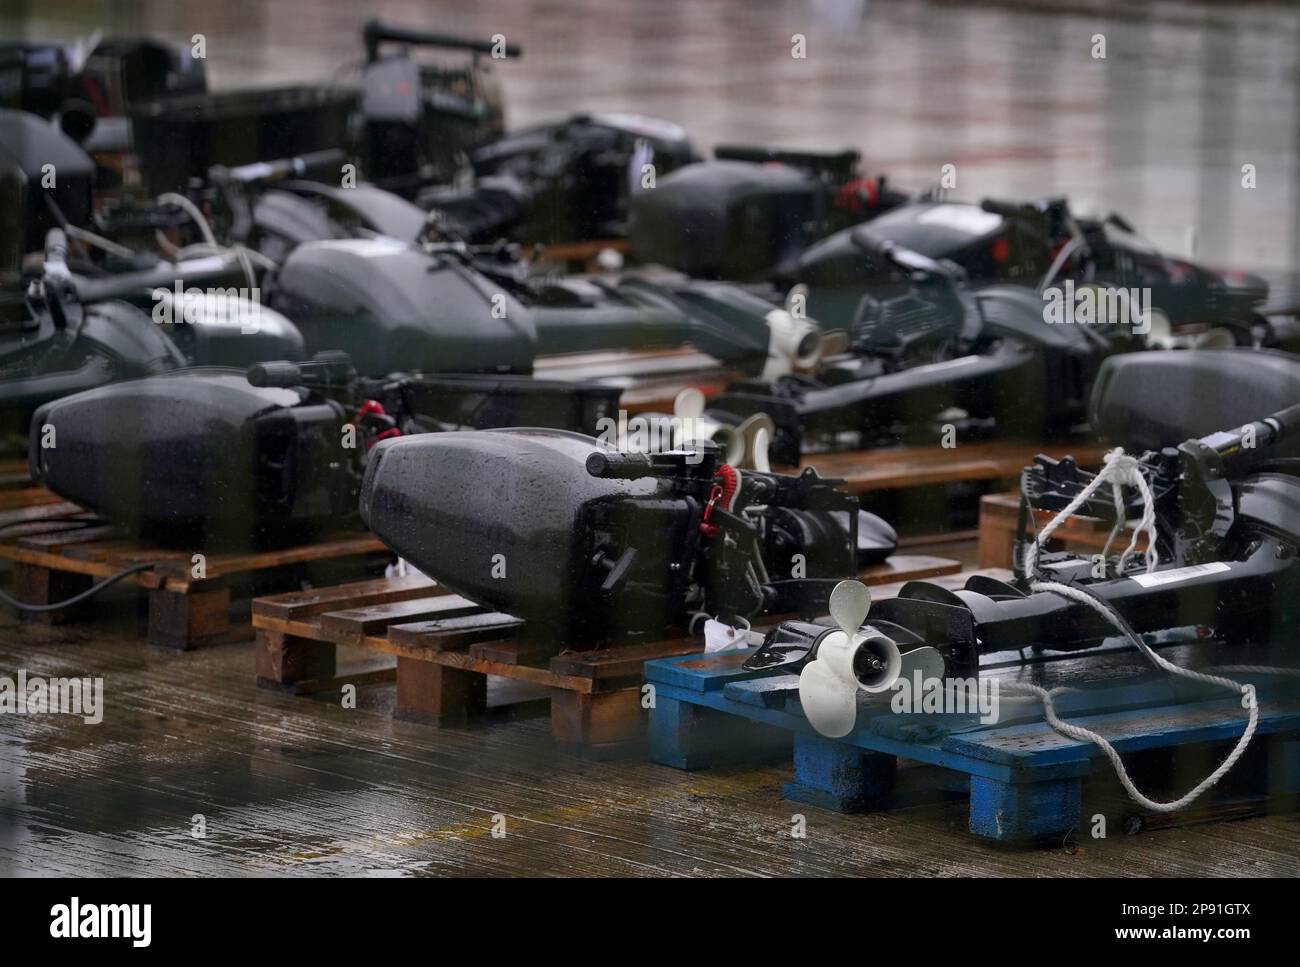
x=199 y=456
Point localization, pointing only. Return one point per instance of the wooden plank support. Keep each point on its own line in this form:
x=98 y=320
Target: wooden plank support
x=186 y=620
x=896 y=468
x=446 y=647
x=688 y=736
x=34 y=584
x=290 y=662
x=598 y=725
x=61 y=549
x=842 y=777
x=438 y=695
x=1024 y=812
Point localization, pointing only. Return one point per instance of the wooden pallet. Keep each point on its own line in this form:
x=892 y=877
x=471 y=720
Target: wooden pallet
x=445 y=648
x=1000 y=515
x=60 y=550
x=649 y=379
x=580 y=256
x=895 y=468
x=17 y=489
x=1023 y=781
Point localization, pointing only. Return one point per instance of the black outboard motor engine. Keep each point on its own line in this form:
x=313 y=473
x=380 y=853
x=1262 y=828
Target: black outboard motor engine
x=78 y=332
x=215 y=456
x=925 y=345
x=29 y=146
x=751 y=214
x=590 y=544
x=564 y=182
x=449 y=308
x=420 y=120
x=726 y=219
x=390 y=306
x=201 y=456
x=116 y=73
x=1227 y=519
x=1037 y=245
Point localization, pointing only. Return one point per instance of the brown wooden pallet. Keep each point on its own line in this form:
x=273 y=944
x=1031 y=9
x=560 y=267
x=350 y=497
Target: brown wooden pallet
x=1000 y=513
x=580 y=255
x=17 y=489
x=895 y=468
x=445 y=648
x=14 y=474
x=649 y=379
x=60 y=550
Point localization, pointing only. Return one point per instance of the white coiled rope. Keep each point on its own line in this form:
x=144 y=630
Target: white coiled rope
x=1121 y=470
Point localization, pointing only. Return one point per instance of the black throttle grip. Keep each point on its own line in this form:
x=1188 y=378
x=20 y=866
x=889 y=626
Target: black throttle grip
x=620 y=466
x=279 y=373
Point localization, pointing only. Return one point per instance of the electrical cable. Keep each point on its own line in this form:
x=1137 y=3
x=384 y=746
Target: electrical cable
x=90 y=592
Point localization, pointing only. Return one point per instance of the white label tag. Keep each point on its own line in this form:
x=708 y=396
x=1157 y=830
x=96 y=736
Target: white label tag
x=1179 y=574
x=719 y=637
x=962 y=218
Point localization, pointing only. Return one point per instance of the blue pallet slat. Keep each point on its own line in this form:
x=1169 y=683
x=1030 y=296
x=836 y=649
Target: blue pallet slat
x=1036 y=745
x=701 y=673
x=1011 y=812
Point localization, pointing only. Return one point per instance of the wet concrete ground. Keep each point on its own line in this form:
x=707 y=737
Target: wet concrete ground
x=1159 y=130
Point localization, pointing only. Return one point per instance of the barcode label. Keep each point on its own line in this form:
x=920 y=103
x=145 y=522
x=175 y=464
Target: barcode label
x=1179 y=574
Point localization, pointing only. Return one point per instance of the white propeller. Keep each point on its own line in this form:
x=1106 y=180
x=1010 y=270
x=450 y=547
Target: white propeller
x=850 y=660
x=793 y=344
x=745 y=446
x=1161 y=335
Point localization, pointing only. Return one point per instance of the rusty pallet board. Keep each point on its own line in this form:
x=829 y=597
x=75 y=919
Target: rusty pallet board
x=60 y=550
x=894 y=468
x=1000 y=515
x=445 y=647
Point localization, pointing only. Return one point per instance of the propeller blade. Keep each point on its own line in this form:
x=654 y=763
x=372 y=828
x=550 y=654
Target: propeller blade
x=758 y=456
x=689 y=404
x=849 y=603
x=829 y=703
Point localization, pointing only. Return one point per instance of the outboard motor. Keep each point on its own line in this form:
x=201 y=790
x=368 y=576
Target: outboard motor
x=80 y=332
x=725 y=219
x=925 y=346
x=233 y=458
x=28 y=145
x=390 y=306
x=1037 y=245
x=419 y=120
x=108 y=77
x=590 y=544
x=1226 y=536
x=564 y=182
x=202 y=456
x=454 y=308
x=751 y=214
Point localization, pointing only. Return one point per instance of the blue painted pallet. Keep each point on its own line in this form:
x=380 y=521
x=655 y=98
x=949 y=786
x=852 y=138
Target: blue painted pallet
x=1025 y=780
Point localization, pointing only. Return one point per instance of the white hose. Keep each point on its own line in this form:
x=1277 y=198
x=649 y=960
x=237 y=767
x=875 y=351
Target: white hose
x=210 y=246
